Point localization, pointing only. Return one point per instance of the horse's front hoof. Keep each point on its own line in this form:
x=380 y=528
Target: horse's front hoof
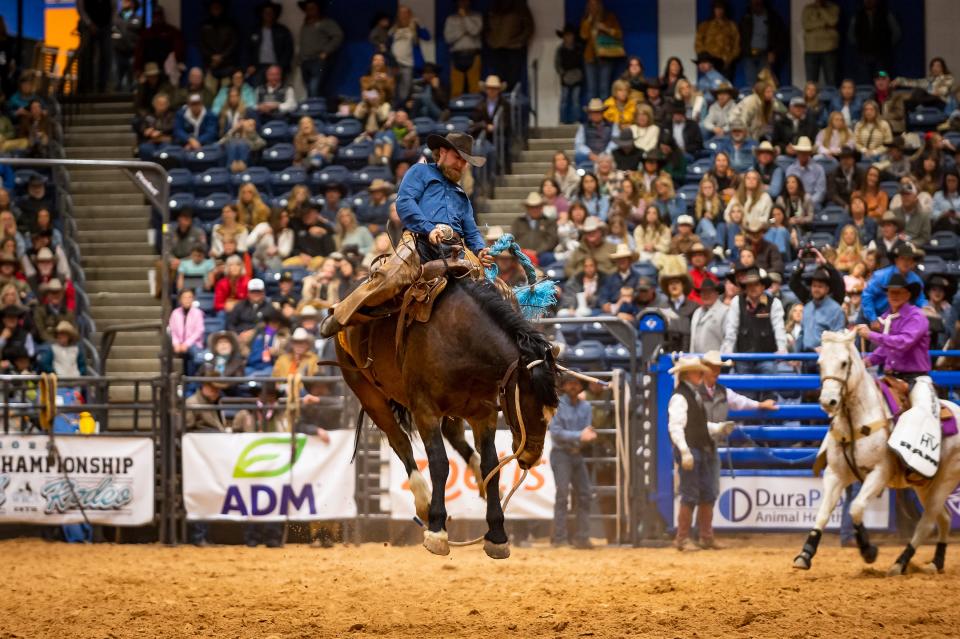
x=869 y=554
x=496 y=551
x=802 y=561
x=896 y=570
x=436 y=542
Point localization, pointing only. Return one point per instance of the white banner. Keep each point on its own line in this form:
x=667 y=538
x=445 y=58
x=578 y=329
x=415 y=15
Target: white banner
x=250 y=477
x=111 y=478
x=787 y=503
x=533 y=500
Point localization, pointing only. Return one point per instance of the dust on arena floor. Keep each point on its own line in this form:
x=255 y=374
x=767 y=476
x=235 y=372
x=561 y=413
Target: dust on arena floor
x=746 y=590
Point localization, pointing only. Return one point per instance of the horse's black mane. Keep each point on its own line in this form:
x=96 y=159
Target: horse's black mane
x=532 y=344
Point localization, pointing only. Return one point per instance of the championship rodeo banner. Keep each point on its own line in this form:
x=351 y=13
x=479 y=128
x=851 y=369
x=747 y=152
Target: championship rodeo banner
x=264 y=477
x=533 y=500
x=784 y=503
x=109 y=478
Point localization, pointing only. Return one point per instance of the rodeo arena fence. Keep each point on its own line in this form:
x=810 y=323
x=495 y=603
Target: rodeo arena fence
x=74 y=451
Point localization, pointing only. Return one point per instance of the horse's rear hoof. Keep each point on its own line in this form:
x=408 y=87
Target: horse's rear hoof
x=801 y=562
x=896 y=570
x=931 y=569
x=496 y=551
x=870 y=554
x=436 y=542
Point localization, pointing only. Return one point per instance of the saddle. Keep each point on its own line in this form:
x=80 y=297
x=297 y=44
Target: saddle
x=419 y=298
x=896 y=392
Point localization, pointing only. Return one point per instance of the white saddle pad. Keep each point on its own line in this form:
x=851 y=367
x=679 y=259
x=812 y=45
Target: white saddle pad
x=916 y=440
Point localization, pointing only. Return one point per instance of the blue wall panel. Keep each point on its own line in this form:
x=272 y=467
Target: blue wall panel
x=32 y=17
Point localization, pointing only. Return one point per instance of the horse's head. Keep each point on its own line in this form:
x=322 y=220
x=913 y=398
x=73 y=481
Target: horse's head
x=838 y=362
x=538 y=403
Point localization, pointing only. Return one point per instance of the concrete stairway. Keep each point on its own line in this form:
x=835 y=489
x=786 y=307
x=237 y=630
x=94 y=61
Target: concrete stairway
x=112 y=222
x=528 y=171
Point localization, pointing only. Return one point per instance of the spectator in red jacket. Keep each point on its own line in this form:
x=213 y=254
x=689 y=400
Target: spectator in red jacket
x=232 y=287
x=699 y=257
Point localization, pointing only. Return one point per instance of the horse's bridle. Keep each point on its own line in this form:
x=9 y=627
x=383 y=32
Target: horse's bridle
x=851 y=459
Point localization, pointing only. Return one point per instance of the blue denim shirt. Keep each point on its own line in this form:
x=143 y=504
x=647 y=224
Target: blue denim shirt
x=426 y=198
x=826 y=315
x=874 y=302
x=569 y=422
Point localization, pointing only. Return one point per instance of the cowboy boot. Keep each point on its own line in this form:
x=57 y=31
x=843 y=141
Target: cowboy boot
x=684 y=522
x=705 y=524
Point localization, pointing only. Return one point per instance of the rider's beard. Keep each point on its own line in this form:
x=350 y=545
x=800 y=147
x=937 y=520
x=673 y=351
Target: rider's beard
x=451 y=173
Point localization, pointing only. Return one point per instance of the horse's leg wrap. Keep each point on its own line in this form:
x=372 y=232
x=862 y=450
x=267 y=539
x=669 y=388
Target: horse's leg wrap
x=867 y=551
x=804 y=559
x=940 y=555
x=899 y=567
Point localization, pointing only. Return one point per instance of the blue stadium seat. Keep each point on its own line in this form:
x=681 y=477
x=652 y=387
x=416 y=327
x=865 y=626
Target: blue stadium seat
x=359 y=203
x=215 y=180
x=697 y=169
x=21 y=178
x=865 y=91
x=345 y=130
x=355 y=154
x=465 y=104
x=180 y=180
x=205 y=301
x=278 y=157
x=925 y=119
x=333 y=174
x=953 y=137
x=170 y=155
x=208 y=208
x=819 y=240
x=258 y=175
x=206 y=157
x=596 y=331
x=555 y=273
x=787 y=93
x=721 y=270
x=276 y=131
x=318 y=201
x=713 y=144
x=618 y=356
x=933 y=264
x=180 y=201
x=283 y=181
x=890 y=187
x=425 y=126
x=587 y=355
x=943 y=244
x=828 y=164
x=458 y=123
x=362 y=178
x=646 y=269
x=828 y=219
x=743 y=92
x=688 y=195
x=280 y=201
x=315 y=108
x=213 y=323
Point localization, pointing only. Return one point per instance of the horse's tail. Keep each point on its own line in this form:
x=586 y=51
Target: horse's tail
x=404 y=418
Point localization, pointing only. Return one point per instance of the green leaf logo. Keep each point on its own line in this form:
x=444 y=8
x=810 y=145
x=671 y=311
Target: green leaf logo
x=260 y=457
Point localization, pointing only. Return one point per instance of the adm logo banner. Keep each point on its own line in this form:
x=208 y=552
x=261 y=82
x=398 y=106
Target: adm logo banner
x=533 y=500
x=110 y=478
x=266 y=477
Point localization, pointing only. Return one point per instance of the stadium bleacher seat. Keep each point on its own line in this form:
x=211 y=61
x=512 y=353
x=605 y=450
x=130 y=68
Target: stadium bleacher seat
x=743 y=92
x=787 y=93
x=258 y=175
x=819 y=240
x=465 y=104
x=362 y=178
x=865 y=91
x=596 y=331
x=617 y=356
x=180 y=201
x=925 y=119
x=953 y=137
x=276 y=131
x=425 y=126
x=458 y=123
x=214 y=180
x=21 y=178
x=278 y=157
x=346 y=130
x=315 y=108
x=318 y=201
x=359 y=202
x=569 y=332
x=170 y=156
x=355 y=154
x=933 y=264
x=208 y=208
x=214 y=323
x=697 y=169
x=180 y=180
x=586 y=355
x=784 y=161
x=204 y=300
x=827 y=94
x=943 y=244
x=646 y=269
x=555 y=273
x=333 y=174
x=206 y=157
x=890 y=187
x=280 y=202
x=827 y=220
x=688 y=195
x=828 y=164
x=713 y=145
x=721 y=270
x=284 y=180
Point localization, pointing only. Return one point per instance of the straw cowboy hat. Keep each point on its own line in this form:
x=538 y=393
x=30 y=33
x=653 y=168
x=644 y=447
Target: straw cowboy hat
x=301 y=335
x=308 y=311
x=66 y=327
x=725 y=87
x=889 y=217
x=533 y=199
x=53 y=285
x=622 y=251
x=713 y=358
x=803 y=145
x=683 y=276
x=699 y=247
x=595 y=105
x=459 y=142
x=592 y=223
x=380 y=185
x=765 y=147
x=493 y=82
x=687 y=365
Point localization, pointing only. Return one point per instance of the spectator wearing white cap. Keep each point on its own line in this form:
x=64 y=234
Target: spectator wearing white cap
x=194 y=125
x=248 y=313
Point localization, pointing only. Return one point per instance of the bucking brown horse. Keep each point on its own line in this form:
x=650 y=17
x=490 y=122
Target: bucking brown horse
x=476 y=355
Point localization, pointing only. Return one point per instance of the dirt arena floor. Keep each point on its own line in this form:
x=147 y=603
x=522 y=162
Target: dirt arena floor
x=746 y=590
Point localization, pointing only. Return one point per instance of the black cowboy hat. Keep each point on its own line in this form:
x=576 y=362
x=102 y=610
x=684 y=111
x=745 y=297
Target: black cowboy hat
x=462 y=143
x=899 y=281
x=12 y=310
x=705 y=57
x=335 y=186
x=654 y=155
x=849 y=152
x=725 y=87
x=276 y=6
x=14 y=351
x=820 y=275
x=908 y=249
x=675 y=106
x=946 y=282
x=568 y=28
x=751 y=275
x=303 y=4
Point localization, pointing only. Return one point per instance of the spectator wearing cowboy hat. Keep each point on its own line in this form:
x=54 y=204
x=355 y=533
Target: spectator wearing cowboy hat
x=593 y=243
x=875 y=302
x=766 y=254
x=300 y=357
x=685 y=132
x=706 y=324
x=810 y=174
x=738 y=146
x=533 y=231
x=626 y=155
x=51 y=311
x=623 y=277
x=765 y=164
x=483 y=115
x=699 y=256
x=835 y=282
x=796 y=123
x=270 y=43
x=45 y=269
x=308 y=318
x=846 y=179
x=889 y=237
x=378 y=210
x=685 y=238
x=717 y=121
x=570 y=429
x=320 y=38
x=64 y=356
x=677 y=286
x=694 y=451
x=821 y=313
x=595 y=136
x=940 y=289
x=754 y=323
x=914 y=209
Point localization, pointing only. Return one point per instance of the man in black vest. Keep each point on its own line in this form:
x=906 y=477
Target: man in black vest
x=695 y=451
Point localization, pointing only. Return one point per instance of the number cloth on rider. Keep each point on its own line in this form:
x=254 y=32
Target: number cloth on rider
x=426 y=198
x=874 y=300
x=905 y=348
